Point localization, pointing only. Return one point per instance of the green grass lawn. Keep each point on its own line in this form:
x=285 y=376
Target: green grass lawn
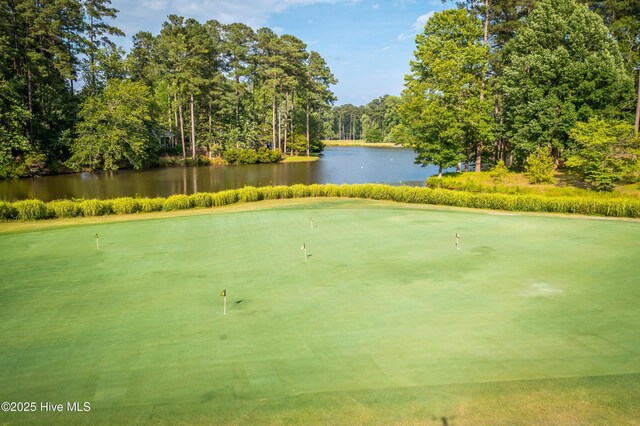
x=564 y=184
x=534 y=320
x=300 y=158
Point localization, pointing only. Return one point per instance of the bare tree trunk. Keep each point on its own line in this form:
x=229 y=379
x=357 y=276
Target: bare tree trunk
x=286 y=120
x=92 y=70
x=479 y=156
x=293 y=106
x=439 y=171
x=638 y=105
x=237 y=99
x=279 y=109
x=354 y=128
x=175 y=110
x=168 y=112
x=30 y=100
x=210 y=122
x=308 y=134
x=184 y=148
x=193 y=129
x=273 y=120
x=482 y=86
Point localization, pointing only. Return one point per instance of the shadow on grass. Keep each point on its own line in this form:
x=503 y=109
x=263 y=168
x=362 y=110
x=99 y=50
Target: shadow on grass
x=235 y=305
x=566 y=179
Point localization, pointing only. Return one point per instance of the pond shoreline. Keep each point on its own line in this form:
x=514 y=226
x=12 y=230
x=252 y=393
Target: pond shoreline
x=360 y=142
x=337 y=165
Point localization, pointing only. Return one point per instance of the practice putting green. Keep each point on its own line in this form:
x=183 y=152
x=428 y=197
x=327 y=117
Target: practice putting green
x=534 y=319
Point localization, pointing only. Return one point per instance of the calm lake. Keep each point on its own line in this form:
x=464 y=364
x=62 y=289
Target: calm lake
x=338 y=165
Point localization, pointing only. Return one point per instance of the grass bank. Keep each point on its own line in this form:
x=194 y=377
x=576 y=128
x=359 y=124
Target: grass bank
x=564 y=184
x=300 y=158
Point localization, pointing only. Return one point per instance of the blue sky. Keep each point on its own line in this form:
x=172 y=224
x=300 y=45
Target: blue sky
x=367 y=43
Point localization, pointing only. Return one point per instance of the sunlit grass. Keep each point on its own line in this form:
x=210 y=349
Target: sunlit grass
x=564 y=184
x=533 y=320
x=300 y=158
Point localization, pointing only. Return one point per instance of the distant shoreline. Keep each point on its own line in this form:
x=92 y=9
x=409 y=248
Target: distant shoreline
x=360 y=142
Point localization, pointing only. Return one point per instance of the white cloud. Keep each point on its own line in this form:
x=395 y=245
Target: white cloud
x=251 y=12
x=418 y=26
x=155 y=4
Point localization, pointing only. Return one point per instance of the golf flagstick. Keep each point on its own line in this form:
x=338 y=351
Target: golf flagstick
x=97 y=242
x=304 y=249
x=224 y=294
x=312 y=224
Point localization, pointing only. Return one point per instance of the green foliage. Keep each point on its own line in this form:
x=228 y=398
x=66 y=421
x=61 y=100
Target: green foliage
x=251 y=156
x=7 y=211
x=446 y=108
x=605 y=153
x=63 y=208
x=224 y=198
x=95 y=207
x=297 y=144
x=562 y=67
x=588 y=203
x=265 y=155
x=274 y=192
x=177 y=202
x=372 y=134
x=299 y=191
x=148 y=205
x=13 y=119
x=115 y=129
x=540 y=166
x=30 y=210
x=247 y=156
x=231 y=155
x=125 y=205
x=499 y=172
x=248 y=194
x=201 y=199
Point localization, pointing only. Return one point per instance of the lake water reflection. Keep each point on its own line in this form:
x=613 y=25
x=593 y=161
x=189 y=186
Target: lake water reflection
x=338 y=165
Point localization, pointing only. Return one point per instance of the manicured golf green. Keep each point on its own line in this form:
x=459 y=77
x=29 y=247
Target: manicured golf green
x=532 y=319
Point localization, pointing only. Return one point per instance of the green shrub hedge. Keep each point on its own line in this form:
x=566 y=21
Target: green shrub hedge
x=251 y=156
x=7 y=211
x=125 y=205
x=30 y=210
x=177 y=202
x=148 y=205
x=586 y=205
x=95 y=207
x=63 y=208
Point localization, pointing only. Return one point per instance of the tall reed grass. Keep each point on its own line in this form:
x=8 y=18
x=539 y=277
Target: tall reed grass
x=584 y=204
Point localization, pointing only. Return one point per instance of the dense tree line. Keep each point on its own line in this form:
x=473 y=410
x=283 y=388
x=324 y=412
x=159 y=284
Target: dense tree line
x=71 y=98
x=507 y=79
x=372 y=122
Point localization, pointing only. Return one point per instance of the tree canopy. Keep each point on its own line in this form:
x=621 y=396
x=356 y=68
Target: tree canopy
x=562 y=67
x=208 y=87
